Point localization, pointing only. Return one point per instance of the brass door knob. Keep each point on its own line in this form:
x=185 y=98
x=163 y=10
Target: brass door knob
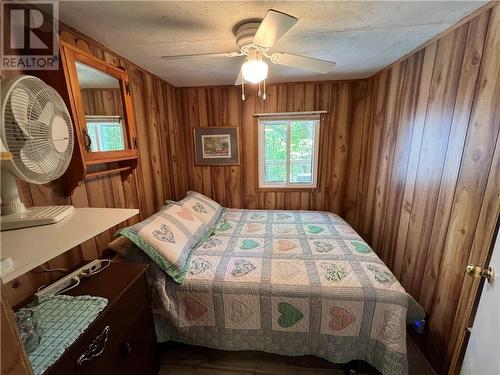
x=478 y=272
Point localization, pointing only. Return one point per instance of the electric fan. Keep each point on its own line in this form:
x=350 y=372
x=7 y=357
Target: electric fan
x=36 y=130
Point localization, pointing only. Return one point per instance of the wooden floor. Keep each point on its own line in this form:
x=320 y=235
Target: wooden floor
x=181 y=359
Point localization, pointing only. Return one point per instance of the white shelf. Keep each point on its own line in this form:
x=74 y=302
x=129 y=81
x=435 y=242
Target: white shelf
x=30 y=247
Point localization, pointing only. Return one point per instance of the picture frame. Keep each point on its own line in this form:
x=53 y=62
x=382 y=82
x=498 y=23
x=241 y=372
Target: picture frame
x=216 y=146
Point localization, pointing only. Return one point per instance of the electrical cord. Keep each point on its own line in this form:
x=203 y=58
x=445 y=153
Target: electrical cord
x=41 y=287
x=45 y=269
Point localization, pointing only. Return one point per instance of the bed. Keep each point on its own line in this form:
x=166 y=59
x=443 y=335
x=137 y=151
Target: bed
x=291 y=283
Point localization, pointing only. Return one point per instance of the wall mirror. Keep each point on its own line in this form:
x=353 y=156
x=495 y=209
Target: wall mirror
x=101 y=105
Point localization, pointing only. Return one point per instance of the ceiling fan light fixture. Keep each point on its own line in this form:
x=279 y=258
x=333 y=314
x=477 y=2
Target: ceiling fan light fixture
x=254 y=70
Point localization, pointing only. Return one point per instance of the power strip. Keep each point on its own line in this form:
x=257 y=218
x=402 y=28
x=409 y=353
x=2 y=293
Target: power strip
x=71 y=279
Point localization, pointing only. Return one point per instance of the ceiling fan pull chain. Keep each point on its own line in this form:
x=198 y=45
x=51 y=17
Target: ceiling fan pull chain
x=242 y=89
x=264 y=94
x=259 y=93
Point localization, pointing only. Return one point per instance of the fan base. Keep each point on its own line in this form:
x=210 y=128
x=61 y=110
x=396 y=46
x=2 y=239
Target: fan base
x=245 y=34
x=35 y=216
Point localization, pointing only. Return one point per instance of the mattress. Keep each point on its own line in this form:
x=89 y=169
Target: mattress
x=291 y=283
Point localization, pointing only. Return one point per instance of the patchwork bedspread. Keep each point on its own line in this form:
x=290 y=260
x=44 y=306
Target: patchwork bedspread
x=292 y=283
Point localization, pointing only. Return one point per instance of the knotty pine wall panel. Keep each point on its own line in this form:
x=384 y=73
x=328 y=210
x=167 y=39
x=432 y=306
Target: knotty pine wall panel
x=105 y=102
x=432 y=189
x=344 y=131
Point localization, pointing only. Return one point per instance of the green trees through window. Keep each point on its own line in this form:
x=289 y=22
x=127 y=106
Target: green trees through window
x=105 y=134
x=276 y=152
x=289 y=151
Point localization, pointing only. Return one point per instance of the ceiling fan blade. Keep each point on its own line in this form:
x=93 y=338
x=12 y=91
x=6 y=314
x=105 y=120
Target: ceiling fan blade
x=194 y=55
x=302 y=62
x=274 y=25
x=239 y=79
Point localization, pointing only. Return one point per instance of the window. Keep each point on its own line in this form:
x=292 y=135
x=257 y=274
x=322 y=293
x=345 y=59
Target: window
x=105 y=132
x=288 y=152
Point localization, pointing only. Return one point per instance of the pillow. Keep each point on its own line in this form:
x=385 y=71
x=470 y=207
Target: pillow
x=168 y=237
x=204 y=208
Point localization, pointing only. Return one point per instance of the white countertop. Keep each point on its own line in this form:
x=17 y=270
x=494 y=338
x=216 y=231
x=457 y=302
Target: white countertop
x=30 y=247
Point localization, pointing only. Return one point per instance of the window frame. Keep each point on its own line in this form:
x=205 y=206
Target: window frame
x=261 y=153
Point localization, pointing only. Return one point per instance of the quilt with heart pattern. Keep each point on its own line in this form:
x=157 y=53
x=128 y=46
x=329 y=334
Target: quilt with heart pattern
x=288 y=282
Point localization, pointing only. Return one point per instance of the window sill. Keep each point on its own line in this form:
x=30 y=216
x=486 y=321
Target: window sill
x=286 y=189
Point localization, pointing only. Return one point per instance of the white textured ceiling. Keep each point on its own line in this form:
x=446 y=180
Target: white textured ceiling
x=361 y=36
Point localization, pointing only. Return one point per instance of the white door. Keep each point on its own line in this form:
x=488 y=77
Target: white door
x=483 y=350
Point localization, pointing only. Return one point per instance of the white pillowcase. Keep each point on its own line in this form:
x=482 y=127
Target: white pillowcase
x=168 y=237
x=204 y=208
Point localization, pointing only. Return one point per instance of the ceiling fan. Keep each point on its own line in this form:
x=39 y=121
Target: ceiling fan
x=254 y=40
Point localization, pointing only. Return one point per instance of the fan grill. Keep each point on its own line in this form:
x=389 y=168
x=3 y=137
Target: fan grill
x=33 y=114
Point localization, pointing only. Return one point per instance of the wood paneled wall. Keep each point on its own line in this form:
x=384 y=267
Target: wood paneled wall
x=409 y=157
x=155 y=180
x=104 y=102
x=343 y=130
x=432 y=185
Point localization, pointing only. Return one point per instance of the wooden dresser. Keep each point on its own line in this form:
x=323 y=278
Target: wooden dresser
x=122 y=339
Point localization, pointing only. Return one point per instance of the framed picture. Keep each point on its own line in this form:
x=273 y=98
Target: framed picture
x=216 y=146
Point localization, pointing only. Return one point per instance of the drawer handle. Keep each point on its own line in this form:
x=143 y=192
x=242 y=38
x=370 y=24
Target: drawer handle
x=127 y=348
x=96 y=348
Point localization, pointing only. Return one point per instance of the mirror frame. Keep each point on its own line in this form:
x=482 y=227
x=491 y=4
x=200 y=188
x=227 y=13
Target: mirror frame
x=71 y=55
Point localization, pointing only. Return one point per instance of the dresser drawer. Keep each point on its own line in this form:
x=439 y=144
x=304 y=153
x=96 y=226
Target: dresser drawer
x=121 y=341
